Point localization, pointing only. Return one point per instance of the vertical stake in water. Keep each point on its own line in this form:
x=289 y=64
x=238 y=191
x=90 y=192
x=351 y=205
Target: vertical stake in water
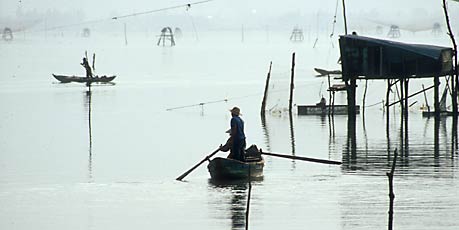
x=248 y=202
x=291 y=83
x=390 y=176
x=364 y=96
x=265 y=95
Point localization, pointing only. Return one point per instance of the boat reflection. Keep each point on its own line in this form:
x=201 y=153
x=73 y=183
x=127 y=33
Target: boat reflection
x=239 y=190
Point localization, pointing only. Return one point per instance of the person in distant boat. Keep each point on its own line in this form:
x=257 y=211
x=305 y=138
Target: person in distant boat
x=322 y=102
x=236 y=142
x=86 y=66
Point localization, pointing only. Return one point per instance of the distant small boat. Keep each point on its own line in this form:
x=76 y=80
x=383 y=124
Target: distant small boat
x=231 y=169
x=324 y=72
x=324 y=110
x=96 y=79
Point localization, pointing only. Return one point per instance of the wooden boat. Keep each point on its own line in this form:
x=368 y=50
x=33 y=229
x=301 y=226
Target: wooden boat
x=231 y=169
x=324 y=110
x=324 y=72
x=432 y=113
x=96 y=79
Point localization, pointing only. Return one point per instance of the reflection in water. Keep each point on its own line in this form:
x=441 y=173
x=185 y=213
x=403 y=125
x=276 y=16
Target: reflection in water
x=331 y=134
x=454 y=144
x=239 y=199
x=350 y=156
x=88 y=106
x=264 y=125
x=292 y=137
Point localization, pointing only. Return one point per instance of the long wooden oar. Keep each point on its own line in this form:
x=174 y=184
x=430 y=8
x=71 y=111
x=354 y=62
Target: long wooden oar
x=194 y=167
x=302 y=158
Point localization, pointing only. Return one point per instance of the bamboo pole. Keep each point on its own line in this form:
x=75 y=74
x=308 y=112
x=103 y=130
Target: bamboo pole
x=265 y=95
x=292 y=83
x=412 y=95
x=344 y=15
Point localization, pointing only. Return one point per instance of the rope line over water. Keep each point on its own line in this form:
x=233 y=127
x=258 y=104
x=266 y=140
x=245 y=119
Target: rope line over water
x=188 y=6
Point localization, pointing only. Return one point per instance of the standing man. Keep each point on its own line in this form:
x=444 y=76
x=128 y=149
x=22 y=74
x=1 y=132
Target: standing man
x=237 y=135
x=86 y=66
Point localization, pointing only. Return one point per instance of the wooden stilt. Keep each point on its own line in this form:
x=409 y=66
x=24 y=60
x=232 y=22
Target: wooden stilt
x=402 y=106
x=329 y=94
x=406 y=82
x=387 y=102
x=436 y=96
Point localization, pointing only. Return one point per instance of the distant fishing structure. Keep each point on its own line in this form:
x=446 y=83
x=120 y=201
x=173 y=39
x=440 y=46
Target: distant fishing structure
x=166 y=35
x=86 y=33
x=7 y=34
x=394 y=32
x=297 y=35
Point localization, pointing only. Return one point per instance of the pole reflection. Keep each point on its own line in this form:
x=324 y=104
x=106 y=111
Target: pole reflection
x=88 y=95
x=264 y=126
x=292 y=137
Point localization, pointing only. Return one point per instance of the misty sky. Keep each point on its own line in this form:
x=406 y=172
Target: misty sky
x=410 y=13
x=103 y=8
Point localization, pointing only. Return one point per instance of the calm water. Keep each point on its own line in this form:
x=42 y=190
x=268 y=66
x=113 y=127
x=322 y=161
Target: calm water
x=71 y=159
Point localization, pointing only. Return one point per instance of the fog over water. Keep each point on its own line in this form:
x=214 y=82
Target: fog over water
x=107 y=157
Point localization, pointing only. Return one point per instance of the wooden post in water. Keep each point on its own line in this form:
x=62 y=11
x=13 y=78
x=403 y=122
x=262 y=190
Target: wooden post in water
x=265 y=95
x=390 y=176
x=329 y=96
x=364 y=96
x=291 y=83
x=402 y=96
x=387 y=102
x=406 y=82
x=436 y=97
x=351 y=88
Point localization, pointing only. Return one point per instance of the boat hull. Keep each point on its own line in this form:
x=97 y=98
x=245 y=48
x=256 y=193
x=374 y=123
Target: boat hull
x=230 y=169
x=319 y=110
x=96 y=79
x=432 y=113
